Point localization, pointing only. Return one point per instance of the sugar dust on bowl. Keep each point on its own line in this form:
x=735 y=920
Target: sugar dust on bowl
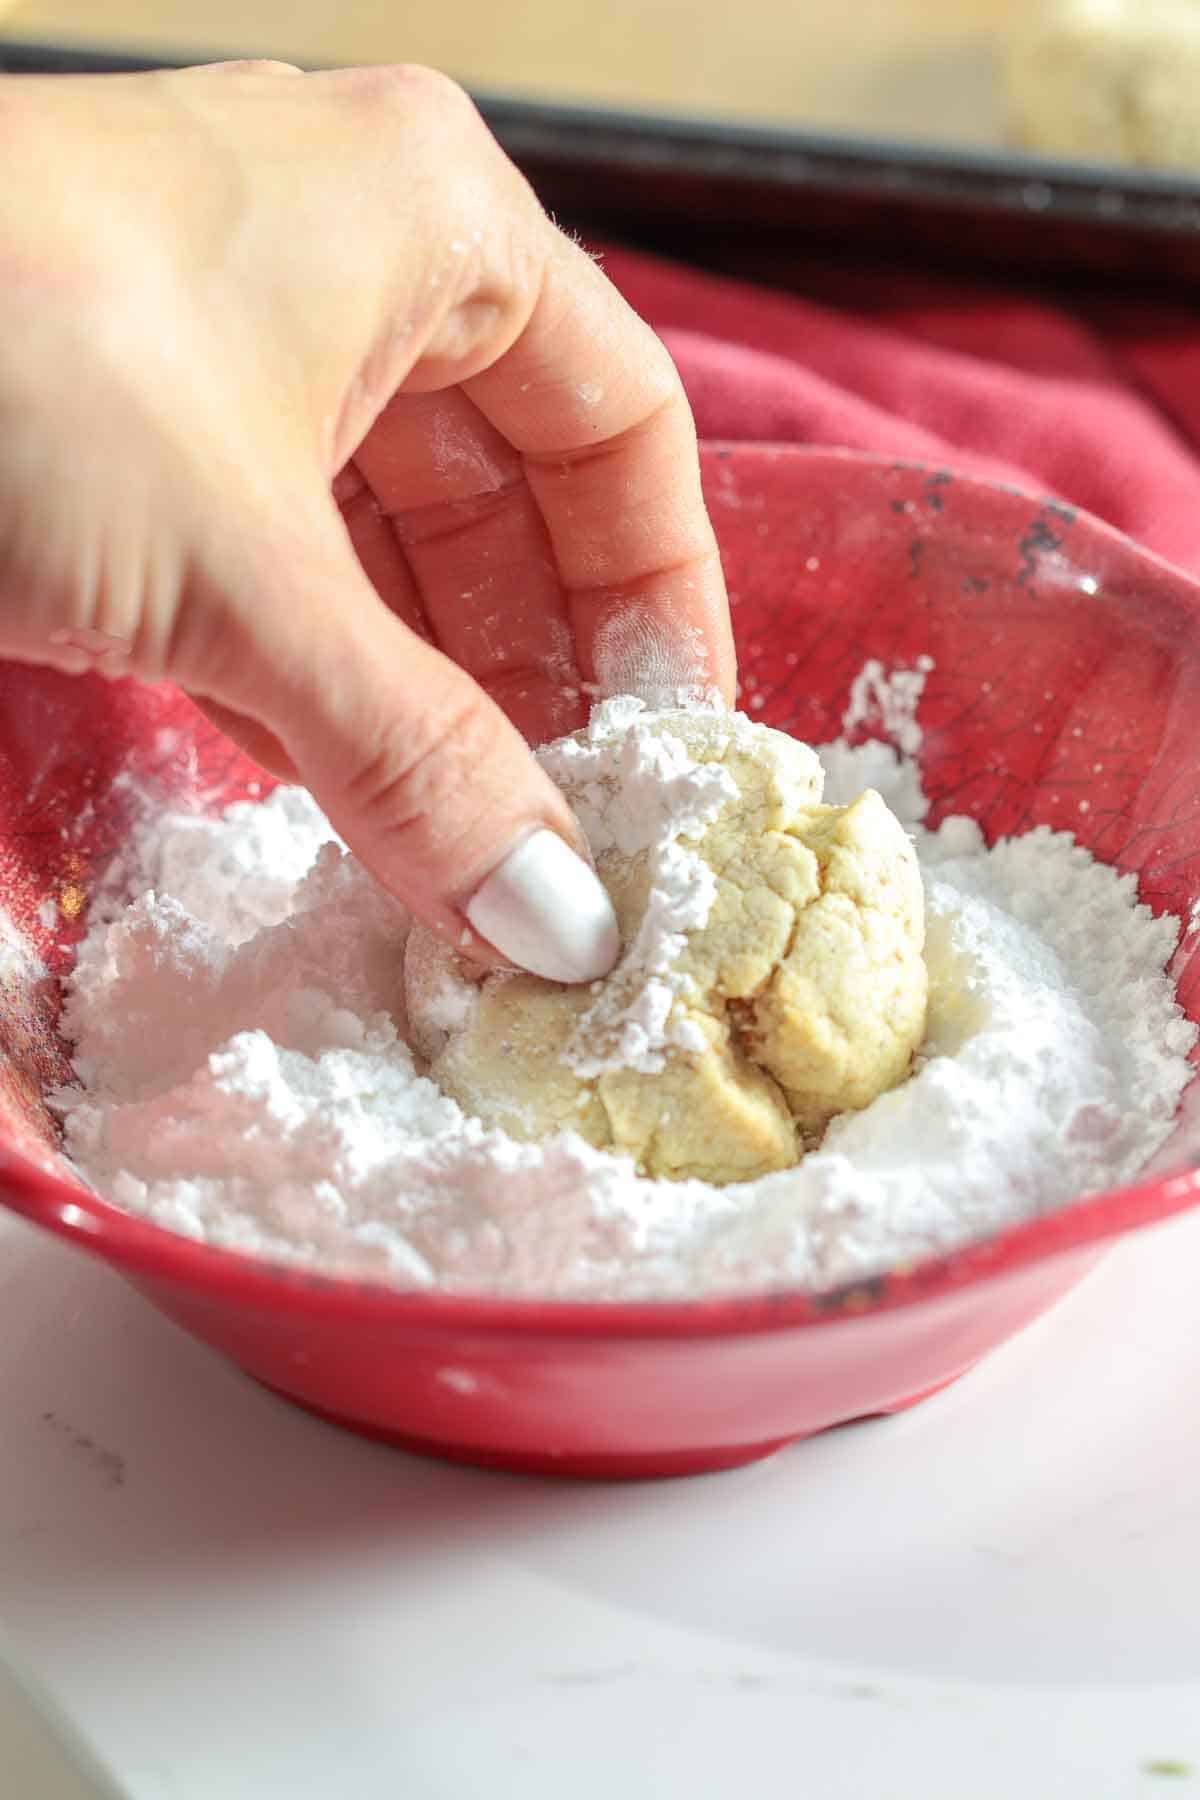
x=886 y=1046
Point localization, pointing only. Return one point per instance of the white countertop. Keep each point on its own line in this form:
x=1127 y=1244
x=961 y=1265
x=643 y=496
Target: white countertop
x=994 y=1597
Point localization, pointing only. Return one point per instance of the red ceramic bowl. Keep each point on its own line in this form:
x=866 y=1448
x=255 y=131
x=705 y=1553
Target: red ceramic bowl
x=1034 y=617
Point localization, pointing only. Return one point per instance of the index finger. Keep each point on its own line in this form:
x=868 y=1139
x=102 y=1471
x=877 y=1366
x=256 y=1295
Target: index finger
x=593 y=403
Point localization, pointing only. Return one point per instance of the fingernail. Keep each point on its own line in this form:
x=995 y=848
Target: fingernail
x=545 y=910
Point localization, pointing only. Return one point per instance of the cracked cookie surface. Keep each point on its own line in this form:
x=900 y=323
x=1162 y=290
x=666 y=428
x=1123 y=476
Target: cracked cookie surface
x=798 y=991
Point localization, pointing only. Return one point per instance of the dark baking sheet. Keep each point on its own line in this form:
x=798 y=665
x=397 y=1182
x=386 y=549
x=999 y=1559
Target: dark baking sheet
x=745 y=198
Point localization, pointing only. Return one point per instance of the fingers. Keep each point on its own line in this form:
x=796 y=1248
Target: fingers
x=590 y=398
x=449 y=496
x=379 y=551
x=571 y=380
x=402 y=253
x=418 y=770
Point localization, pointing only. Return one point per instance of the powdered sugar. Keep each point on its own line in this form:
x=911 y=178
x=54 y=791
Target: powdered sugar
x=889 y=698
x=245 y=1077
x=19 y=967
x=641 y=794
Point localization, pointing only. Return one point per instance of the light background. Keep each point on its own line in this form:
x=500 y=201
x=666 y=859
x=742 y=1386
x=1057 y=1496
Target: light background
x=927 y=69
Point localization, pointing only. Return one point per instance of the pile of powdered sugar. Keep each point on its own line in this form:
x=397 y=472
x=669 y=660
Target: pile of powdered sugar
x=641 y=795
x=244 y=1076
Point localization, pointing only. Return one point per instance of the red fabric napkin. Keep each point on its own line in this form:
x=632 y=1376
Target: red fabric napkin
x=1098 y=404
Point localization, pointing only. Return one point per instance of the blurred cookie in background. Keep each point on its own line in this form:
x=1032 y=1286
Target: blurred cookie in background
x=1108 y=81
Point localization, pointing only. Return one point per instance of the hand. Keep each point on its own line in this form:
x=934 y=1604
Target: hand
x=307 y=406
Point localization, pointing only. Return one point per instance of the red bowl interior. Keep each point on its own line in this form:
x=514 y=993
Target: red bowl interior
x=1064 y=692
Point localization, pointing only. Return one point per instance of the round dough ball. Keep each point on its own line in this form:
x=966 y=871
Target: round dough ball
x=719 y=1048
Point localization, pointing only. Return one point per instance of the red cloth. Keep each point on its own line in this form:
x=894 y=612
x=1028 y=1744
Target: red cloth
x=1098 y=404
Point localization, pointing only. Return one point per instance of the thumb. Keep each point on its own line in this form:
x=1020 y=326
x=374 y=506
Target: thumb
x=415 y=766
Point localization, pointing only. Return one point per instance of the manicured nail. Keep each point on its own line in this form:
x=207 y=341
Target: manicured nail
x=545 y=910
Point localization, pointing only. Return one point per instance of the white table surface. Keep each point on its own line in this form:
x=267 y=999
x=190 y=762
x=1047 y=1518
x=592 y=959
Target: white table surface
x=994 y=1597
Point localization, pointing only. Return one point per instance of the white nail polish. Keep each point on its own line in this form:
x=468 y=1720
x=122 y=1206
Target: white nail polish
x=545 y=910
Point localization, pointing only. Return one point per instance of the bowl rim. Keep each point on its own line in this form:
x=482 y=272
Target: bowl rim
x=147 y=1252
x=153 y=1254
x=1002 y=492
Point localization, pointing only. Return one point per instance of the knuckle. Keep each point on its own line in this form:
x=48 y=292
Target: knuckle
x=661 y=379
x=266 y=65
x=472 y=189
x=432 y=88
x=412 y=91
x=260 y=65
x=238 y=65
